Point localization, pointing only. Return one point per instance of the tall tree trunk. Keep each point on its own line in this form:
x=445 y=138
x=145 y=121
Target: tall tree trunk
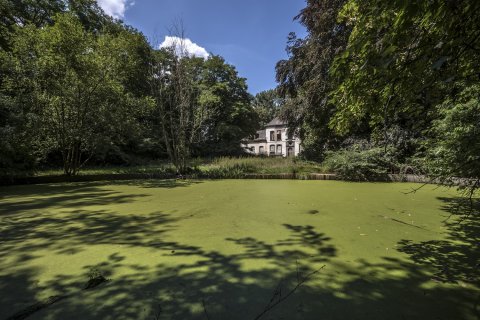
x=71 y=162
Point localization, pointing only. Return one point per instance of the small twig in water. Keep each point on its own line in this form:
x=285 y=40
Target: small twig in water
x=205 y=309
x=23 y=314
x=405 y=223
x=414 y=190
x=274 y=301
x=159 y=311
x=95 y=280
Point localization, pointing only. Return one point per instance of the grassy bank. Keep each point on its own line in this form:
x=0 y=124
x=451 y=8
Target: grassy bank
x=226 y=167
x=223 y=167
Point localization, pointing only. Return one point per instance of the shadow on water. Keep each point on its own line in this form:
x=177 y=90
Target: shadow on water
x=78 y=194
x=456 y=259
x=435 y=280
x=155 y=183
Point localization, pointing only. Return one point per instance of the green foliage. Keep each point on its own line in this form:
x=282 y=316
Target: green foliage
x=39 y=13
x=267 y=105
x=356 y=164
x=232 y=117
x=202 y=107
x=16 y=158
x=75 y=83
x=402 y=60
x=304 y=79
x=408 y=72
x=397 y=73
x=44 y=66
x=177 y=115
x=76 y=87
x=454 y=150
x=35 y=12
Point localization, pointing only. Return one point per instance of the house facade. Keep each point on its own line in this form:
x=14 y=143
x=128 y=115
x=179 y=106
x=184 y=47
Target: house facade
x=273 y=140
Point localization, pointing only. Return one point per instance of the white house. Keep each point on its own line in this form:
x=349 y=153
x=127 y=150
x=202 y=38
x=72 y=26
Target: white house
x=273 y=140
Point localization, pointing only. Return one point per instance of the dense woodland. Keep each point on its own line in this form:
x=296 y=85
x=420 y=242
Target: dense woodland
x=387 y=85
x=375 y=87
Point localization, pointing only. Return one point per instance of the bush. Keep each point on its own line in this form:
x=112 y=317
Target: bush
x=361 y=165
x=16 y=159
x=454 y=150
x=231 y=167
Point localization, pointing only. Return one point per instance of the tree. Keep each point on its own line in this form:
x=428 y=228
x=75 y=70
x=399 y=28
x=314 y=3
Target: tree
x=22 y=13
x=397 y=73
x=17 y=119
x=14 y=14
x=232 y=117
x=19 y=123
x=132 y=143
x=202 y=105
x=76 y=87
x=304 y=79
x=267 y=105
x=454 y=150
x=402 y=60
x=180 y=118
x=92 y=17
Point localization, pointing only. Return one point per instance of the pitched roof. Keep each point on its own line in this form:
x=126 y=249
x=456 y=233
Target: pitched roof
x=261 y=135
x=276 y=122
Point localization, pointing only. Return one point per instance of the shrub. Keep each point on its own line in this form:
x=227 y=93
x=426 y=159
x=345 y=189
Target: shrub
x=454 y=150
x=361 y=165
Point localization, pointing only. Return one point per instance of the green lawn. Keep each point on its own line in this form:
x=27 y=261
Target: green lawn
x=170 y=247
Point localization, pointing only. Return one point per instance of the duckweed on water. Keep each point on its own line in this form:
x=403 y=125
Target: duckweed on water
x=170 y=248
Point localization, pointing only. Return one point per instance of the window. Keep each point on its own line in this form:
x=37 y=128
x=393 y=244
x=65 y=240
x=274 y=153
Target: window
x=272 y=148
x=279 y=135
x=279 y=149
x=260 y=150
x=257 y=135
x=290 y=134
x=272 y=135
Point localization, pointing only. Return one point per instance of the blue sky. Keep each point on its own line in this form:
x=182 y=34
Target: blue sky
x=249 y=34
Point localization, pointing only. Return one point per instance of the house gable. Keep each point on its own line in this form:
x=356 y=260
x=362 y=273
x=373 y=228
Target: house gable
x=273 y=140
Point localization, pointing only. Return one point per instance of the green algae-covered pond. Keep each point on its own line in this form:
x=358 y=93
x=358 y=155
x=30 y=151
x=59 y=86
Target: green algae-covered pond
x=182 y=250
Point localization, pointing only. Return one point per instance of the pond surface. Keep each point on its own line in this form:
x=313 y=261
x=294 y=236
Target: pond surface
x=179 y=250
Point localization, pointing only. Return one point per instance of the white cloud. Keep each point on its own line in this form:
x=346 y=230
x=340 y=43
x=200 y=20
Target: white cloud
x=190 y=48
x=115 y=8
